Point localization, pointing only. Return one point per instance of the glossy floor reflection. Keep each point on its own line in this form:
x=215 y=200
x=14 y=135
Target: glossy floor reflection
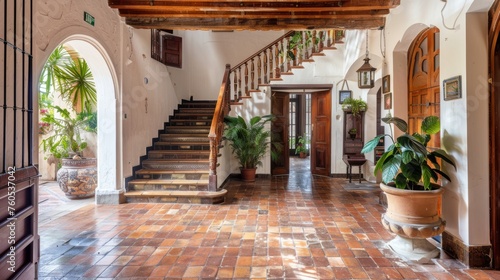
x=288 y=227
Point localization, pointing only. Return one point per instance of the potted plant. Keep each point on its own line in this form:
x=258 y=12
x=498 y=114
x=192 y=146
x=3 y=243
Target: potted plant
x=301 y=149
x=408 y=166
x=77 y=176
x=249 y=142
x=354 y=105
x=353 y=132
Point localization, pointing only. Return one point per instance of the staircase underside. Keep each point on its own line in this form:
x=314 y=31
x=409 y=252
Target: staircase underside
x=177 y=167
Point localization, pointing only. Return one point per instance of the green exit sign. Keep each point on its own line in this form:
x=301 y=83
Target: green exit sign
x=88 y=18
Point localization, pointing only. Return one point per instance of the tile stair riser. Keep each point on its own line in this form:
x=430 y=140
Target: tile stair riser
x=199 y=105
x=167 y=187
x=176 y=166
x=192 y=117
x=190 y=122
x=183 y=147
x=186 y=200
x=192 y=130
x=175 y=138
x=170 y=176
x=193 y=155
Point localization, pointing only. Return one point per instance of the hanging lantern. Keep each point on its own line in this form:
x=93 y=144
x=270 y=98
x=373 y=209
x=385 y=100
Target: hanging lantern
x=366 y=73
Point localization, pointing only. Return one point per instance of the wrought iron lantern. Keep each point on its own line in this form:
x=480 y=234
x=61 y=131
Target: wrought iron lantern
x=366 y=73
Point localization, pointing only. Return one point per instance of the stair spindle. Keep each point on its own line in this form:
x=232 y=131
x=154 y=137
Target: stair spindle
x=329 y=38
x=252 y=74
x=239 y=84
x=246 y=79
x=265 y=67
x=288 y=63
x=271 y=65
x=300 y=49
x=259 y=70
x=235 y=82
x=315 y=42
x=321 y=41
x=277 y=71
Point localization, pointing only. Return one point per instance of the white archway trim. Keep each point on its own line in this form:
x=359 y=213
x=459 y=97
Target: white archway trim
x=109 y=190
x=400 y=71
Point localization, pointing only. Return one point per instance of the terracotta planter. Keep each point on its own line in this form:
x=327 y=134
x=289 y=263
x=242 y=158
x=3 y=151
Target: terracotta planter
x=302 y=155
x=77 y=178
x=413 y=216
x=248 y=174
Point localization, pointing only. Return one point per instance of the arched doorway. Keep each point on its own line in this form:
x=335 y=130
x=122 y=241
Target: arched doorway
x=108 y=155
x=423 y=80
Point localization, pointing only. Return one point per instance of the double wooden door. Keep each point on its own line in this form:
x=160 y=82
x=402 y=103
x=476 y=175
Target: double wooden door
x=320 y=132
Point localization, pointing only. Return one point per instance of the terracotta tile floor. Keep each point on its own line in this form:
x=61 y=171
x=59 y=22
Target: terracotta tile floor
x=288 y=227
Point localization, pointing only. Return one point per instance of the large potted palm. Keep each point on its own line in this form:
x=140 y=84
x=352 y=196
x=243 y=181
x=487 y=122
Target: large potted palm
x=77 y=176
x=410 y=173
x=249 y=142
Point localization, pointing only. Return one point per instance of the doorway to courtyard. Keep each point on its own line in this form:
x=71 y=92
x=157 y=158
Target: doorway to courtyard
x=302 y=126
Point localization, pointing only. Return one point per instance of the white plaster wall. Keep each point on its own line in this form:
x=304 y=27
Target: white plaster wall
x=146 y=106
x=205 y=55
x=477 y=90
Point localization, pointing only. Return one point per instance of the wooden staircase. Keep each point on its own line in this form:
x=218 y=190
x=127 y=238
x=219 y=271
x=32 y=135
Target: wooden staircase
x=177 y=166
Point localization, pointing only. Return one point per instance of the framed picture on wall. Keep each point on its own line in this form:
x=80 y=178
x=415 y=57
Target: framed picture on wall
x=388 y=101
x=452 y=88
x=343 y=94
x=386 y=84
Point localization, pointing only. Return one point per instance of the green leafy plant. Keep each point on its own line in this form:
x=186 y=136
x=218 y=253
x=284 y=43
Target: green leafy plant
x=301 y=145
x=77 y=85
x=408 y=163
x=65 y=138
x=69 y=74
x=355 y=105
x=249 y=141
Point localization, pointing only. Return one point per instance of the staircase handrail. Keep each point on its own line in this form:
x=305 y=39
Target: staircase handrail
x=286 y=35
x=217 y=127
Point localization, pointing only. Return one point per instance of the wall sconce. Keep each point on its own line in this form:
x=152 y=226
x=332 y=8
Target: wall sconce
x=366 y=73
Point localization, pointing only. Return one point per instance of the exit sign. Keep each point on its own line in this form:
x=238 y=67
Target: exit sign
x=88 y=18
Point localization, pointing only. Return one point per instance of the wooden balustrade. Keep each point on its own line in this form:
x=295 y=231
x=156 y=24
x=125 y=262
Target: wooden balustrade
x=280 y=56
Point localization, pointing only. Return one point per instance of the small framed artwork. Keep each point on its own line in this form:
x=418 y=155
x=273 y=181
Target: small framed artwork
x=386 y=84
x=343 y=94
x=388 y=101
x=452 y=88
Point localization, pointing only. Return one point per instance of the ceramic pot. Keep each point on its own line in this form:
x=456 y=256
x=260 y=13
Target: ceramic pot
x=77 y=178
x=414 y=217
x=248 y=174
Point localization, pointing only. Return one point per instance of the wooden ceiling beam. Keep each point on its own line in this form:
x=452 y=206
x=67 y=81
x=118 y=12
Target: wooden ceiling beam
x=242 y=8
x=256 y=15
x=342 y=4
x=253 y=24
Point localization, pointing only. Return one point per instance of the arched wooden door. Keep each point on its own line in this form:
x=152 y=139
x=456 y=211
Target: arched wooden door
x=423 y=80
